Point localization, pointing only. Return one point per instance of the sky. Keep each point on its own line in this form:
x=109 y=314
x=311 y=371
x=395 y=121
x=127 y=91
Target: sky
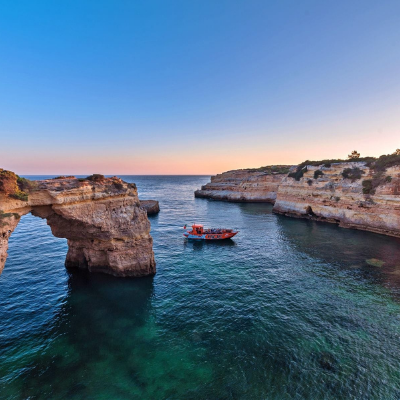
x=195 y=86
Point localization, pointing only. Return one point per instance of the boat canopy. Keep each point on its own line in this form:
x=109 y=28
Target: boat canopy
x=197 y=228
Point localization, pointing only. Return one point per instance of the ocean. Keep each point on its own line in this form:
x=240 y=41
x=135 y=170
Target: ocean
x=288 y=309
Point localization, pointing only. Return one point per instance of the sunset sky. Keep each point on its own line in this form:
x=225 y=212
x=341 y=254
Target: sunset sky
x=195 y=86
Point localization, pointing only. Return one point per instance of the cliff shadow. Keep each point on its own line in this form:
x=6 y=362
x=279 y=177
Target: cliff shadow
x=100 y=328
x=374 y=256
x=256 y=208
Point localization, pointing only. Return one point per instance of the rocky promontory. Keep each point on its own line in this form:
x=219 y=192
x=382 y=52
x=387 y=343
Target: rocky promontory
x=351 y=194
x=106 y=229
x=361 y=194
x=245 y=185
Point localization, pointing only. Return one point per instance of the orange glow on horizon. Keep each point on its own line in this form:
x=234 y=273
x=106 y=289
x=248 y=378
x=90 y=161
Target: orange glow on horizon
x=209 y=158
x=178 y=165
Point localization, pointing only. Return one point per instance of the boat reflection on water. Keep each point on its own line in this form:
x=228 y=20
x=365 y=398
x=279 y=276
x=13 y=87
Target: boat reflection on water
x=202 y=244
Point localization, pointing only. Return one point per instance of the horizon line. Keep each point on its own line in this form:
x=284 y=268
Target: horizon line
x=117 y=174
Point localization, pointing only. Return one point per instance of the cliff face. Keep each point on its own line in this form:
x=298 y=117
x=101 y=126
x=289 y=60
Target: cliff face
x=352 y=203
x=106 y=229
x=368 y=199
x=243 y=186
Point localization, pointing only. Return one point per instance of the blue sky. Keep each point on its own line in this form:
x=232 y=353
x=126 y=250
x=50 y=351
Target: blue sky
x=193 y=86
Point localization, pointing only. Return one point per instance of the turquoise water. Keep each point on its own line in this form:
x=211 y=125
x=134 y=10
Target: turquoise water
x=289 y=309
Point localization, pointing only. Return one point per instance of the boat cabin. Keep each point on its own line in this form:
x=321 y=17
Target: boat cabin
x=197 y=229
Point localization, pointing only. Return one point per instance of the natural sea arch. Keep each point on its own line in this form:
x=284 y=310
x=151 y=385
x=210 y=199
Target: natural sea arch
x=106 y=228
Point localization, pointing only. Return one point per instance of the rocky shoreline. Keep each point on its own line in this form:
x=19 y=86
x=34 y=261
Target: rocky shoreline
x=247 y=185
x=107 y=229
x=353 y=194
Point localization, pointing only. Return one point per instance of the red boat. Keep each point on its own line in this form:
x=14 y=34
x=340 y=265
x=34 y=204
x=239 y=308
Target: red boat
x=198 y=232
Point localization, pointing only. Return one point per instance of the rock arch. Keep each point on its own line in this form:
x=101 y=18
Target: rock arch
x=101 y=218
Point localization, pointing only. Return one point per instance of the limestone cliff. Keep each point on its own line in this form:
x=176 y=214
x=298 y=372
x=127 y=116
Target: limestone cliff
x=246 y=185
x=350 y=194
x=106 y=229
x=362 y=195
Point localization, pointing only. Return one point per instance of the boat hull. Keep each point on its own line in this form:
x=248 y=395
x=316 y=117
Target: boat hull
x=210 y=236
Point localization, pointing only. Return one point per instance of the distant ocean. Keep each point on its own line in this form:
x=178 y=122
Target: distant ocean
x=288 y=309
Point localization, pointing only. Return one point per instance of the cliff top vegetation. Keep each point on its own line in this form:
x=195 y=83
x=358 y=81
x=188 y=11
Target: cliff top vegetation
x=378 y=164
x=381 y=163
x=328 y=163
x=14 y=186
x=271 y=169
x=386 y=161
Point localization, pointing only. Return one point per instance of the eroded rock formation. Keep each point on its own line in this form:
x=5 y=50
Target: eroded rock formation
x=351 y=202
x=245 y=185
x=106 y=229
x=151 y=206
x=351 y=194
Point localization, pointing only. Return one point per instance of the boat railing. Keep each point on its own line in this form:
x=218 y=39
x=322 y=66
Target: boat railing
x=217 y=230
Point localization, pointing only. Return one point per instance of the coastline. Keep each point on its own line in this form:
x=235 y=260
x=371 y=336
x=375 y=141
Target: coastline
x=353 y=194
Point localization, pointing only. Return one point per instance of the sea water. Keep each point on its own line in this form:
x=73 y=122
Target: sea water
x=288 y=309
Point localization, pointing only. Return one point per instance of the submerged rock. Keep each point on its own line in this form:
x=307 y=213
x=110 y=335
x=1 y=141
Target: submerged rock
x=327 y=361
x=375 y=262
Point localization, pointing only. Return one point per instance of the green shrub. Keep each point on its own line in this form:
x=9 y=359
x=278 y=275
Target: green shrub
x=4 y=215
x=25 y=185
x=299 y=172
x=368 y=187
x=384 y=162
x=65 y=177
x=328 y=163
x=309 y=182
x=271 y=169
x=352 y=173
x=378 y=179
x=23 y=196
x=8 y=215
x=318 y=173
x=96 y=178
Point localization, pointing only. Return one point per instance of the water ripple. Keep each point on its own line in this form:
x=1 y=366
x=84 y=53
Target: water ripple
x=288 y=309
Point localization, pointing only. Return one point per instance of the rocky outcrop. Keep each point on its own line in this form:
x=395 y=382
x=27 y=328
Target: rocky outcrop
x=152 y=207
x=106 y=229
x=8 y=222
x=367 y=199
x=245 y=185
x=359 y=195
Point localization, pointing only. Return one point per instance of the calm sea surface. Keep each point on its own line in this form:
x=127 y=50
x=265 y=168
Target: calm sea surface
x=289 y=309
